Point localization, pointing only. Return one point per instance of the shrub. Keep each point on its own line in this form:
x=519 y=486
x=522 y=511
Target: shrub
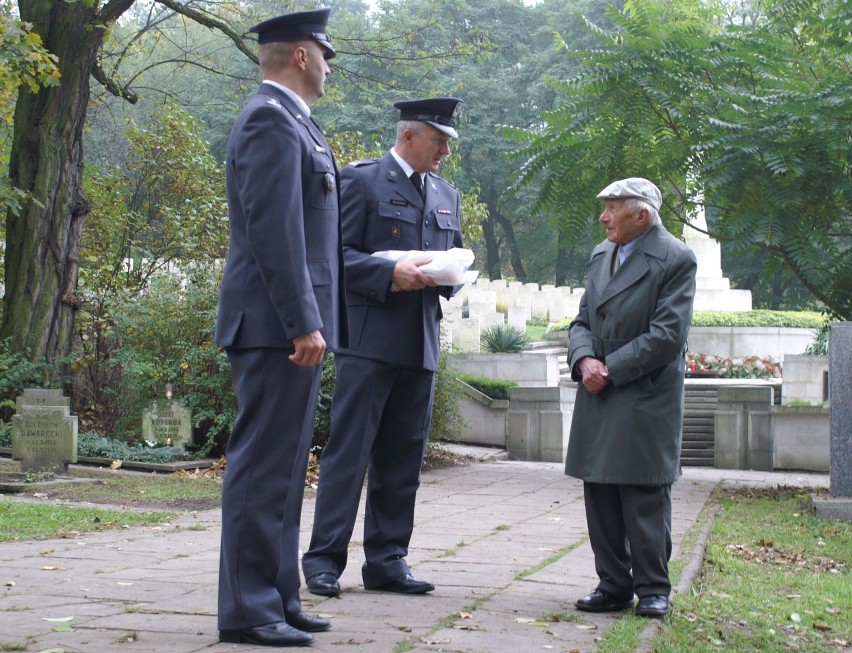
x=165 y=336
x=503 y=338
x=92 y=445
x=757 y=318
x=494 y=388
x=447 y=422
x=17 y=372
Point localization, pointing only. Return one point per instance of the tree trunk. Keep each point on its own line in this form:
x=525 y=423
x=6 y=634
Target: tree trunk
x=492 y=250
x=512 y=244
x=43 y=241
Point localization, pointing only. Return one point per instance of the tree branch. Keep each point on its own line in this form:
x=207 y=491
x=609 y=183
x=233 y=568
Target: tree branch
x=212 y=23
x=112 y=86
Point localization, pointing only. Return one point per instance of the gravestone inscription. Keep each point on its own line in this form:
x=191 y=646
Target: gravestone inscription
x=44 y=433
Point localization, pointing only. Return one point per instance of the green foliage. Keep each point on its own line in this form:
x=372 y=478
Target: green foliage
x=757 y=318
x=322 y=423
x=92 y=445
x=494 y=388
x=819 y=345
x=503 y=338
x=17 y=372
x=447 y=422
x=746 y=114
x=167 y=205
x=165 y=336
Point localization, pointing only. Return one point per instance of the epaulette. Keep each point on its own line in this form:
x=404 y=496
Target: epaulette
x=439 y=178
x=363 y=162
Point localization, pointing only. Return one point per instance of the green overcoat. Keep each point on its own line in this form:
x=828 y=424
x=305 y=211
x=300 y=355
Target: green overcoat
x=636 y=321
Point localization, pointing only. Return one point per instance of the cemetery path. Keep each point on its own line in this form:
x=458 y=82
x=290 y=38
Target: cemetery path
x=504 y=542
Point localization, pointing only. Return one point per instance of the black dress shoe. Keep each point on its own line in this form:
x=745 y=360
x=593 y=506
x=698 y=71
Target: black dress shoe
x=653 y=606
x=275 y=634
x=308 y=622
x=602 y=601
x=324 y=584
x=405 y=584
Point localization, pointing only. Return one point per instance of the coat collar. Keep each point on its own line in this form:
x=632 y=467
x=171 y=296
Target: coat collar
x=655 y=245
x=395 y=175
x=279 y=98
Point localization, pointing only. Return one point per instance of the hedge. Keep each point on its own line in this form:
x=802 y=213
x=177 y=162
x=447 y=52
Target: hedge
x=756 y=318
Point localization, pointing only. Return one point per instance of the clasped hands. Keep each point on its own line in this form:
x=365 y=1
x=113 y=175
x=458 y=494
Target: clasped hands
x=595 y=374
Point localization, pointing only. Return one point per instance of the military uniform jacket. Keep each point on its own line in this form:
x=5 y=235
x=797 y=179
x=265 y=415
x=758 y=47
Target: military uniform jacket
x=636 y=321
x=381 y=210
x=283 y=277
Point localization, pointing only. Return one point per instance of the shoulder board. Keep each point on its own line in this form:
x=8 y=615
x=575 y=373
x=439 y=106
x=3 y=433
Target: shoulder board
x=435 y=177
x=363 y=162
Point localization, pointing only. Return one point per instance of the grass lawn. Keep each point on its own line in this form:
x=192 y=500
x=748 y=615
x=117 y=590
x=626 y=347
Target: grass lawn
x=25 y=520
x=536 y=332
x=775 y=578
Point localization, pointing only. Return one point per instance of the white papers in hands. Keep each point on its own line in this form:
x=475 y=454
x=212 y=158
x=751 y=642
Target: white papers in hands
x=445 y=268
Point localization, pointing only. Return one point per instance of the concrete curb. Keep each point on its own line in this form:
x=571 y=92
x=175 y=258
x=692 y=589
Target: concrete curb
x=687 y=579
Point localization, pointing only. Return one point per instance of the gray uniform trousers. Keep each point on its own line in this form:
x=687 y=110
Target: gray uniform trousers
x=380 y=417
x=264 y=486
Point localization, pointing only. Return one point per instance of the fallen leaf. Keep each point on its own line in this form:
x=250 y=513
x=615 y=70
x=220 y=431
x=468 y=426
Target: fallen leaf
x=63 y=629
x=405 y=629
x=587 y=627
x=464 y=615
x=115 y=464
x=429 y=640
x=123 y=584
x=467 y=627
x=822 y=627
x=795 y=617
x=51 y=568
x=11 y=583
x=46 y=552
x=57 y=619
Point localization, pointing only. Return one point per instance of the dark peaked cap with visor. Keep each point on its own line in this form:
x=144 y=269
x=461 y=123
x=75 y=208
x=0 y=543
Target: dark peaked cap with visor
x=300 y=26
x=440 y=112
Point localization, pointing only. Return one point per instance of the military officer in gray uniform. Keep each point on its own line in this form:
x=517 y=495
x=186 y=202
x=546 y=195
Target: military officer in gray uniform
x=281 y=307
x=382 y=405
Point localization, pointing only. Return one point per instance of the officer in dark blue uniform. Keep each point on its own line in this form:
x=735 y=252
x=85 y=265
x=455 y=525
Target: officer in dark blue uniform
x=382 y=404
x=281 y=307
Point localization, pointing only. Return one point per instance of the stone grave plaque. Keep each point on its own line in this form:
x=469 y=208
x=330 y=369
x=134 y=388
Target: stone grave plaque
x=44 y=433
x=167 y=422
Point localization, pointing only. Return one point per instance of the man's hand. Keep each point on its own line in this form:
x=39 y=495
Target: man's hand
x=595 y=374
x=310 y=349
x=407 y=276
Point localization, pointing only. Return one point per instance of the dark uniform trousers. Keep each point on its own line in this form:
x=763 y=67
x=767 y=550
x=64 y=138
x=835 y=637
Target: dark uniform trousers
x=388 y=412
x=630 y=528
x=264 y=486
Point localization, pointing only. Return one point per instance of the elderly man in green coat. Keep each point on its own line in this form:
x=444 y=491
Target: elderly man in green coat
x=627 y=347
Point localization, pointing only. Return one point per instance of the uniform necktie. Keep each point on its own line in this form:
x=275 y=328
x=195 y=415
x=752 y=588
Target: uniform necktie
x=417 y=180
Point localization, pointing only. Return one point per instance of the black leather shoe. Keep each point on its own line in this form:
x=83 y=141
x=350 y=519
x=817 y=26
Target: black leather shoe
x=308 y=622
x=653 y=606
x=405 y=584
x=324 y=584
x=275 y=634
x=602 y=601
